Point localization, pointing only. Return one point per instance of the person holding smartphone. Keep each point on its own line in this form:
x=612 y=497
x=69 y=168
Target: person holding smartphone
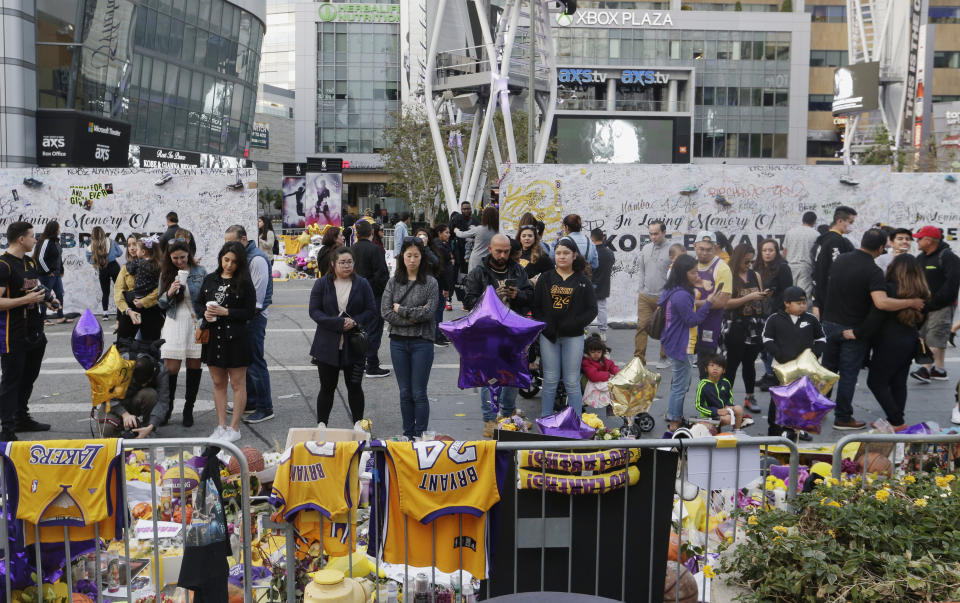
x=743 y=324
x=510 y=281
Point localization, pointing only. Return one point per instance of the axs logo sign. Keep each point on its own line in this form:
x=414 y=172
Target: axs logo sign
x=580 y=76
x=643 y=77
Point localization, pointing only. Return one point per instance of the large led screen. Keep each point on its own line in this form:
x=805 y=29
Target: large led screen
x=598 y=140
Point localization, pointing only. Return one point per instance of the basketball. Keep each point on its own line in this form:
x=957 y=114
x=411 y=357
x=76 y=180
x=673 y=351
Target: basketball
x=682 y=590
x=254 y=461
x=187 y=480
x=876 y=463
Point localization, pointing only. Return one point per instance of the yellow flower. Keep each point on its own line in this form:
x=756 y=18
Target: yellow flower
x=920 y=502
x=752 y=520
x=833 y=481
x=780 y=529
x=832 y=533
x=708 y=571
x=909 y=479
x=943 y=482
x=882 y=495
x=833 y=503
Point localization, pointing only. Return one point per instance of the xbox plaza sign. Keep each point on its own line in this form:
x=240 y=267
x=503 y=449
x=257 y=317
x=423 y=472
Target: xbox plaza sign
x=615 y=18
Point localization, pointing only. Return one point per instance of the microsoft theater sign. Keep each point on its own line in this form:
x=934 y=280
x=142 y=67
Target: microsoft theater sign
x=615 y=18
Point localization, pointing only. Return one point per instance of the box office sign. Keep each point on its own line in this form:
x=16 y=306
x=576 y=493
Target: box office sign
x=70 y=138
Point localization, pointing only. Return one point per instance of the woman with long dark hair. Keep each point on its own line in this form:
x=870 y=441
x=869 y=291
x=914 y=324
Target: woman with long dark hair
x=266 y=238
x=180 y=281
x=102 y=255
x=332 y=239
x=534 y=258
x=227 y=301
x=572 y=229
x=679 y=336
x=446 y=277
x=776 y=276
x=409 y=303
x=565 y=300
x=744 y=322
x=481 y=235
x=340 y=302
x=49 y=257
x=895 y=337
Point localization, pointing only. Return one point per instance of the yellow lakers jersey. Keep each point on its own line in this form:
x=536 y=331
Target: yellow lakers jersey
x=322 y=476
x=64 y=482
x=440 y=478
x=335 y=537
x=437 y=497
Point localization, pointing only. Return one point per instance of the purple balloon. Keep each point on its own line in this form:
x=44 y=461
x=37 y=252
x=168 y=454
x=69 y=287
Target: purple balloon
x=87 y=340
x=565 y=424
x=800 y=405
x=492 y=341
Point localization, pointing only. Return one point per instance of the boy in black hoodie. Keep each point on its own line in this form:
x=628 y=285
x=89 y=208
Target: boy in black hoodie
x=786 y=335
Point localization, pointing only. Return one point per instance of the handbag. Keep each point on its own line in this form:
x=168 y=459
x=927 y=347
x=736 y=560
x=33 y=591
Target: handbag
x=657 y=321
x=201 y=335
x=922 y=354
x=356 y=340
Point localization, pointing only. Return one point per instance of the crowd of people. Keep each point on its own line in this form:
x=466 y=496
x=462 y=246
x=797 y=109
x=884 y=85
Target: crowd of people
x=723 y=309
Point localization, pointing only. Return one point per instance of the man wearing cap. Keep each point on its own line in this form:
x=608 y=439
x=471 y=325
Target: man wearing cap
x=942 y=269
x=714 y=275
x=856 y=285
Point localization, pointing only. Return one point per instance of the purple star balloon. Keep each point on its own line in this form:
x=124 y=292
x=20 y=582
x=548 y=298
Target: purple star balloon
x=492 y=341
x=87 y=340
x=800 y=405
x=565 y=424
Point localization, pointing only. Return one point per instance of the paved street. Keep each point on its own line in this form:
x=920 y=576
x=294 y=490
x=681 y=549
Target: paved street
x=62 y=393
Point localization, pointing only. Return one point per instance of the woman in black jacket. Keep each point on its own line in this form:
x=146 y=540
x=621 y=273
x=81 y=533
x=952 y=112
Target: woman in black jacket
x=49 y=257
x=445 y=274
x=227 y=302
x=775 y=274
x=340 y=302
x=895 y=337
x=565 y=300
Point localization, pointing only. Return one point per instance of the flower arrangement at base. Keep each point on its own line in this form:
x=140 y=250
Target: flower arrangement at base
x=885 y=540
x=603 y=432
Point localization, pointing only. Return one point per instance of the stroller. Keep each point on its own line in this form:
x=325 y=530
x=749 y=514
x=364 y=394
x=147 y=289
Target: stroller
x=536 y=379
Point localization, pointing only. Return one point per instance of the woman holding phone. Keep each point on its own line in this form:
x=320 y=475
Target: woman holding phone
x=227 y=301
x=180 y=281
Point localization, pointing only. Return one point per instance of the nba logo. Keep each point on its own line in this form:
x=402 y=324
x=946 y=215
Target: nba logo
x=34 y=485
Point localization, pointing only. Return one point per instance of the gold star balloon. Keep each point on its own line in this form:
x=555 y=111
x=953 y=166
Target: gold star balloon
x=806 y=364
x=109 y=377
x=633 y=389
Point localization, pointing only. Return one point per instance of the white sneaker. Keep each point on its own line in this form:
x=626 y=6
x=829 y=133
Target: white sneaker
x=217 y=433
x=230 y=434
x=955 y=417
x=662 y=364
x=321 y=426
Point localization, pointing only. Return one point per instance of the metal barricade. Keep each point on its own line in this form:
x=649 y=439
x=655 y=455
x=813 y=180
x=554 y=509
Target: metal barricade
x=888 y=438
x=533 y=540
x=179 y=446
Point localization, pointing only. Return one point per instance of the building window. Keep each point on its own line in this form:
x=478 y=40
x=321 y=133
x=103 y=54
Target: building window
x=820 y=102
x=946 y=98
x=827 y=14
x=946 y=59
x=828 y=58
x=945 y=14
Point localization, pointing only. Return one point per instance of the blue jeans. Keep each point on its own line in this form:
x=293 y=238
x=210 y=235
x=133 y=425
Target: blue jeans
x=507 y=403
x=412 y=360
x=561 y=360
x=679 y=385
x=374 y=335
x=55 y=284
x=438 y=318
x=845 y=357
x=258 y=378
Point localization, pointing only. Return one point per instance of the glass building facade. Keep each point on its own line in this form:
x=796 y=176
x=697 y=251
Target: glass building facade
x=183 y=73
x=742 y=79
x=358 y=85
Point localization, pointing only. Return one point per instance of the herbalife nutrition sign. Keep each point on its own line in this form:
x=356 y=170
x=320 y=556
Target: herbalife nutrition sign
x=359 y=13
